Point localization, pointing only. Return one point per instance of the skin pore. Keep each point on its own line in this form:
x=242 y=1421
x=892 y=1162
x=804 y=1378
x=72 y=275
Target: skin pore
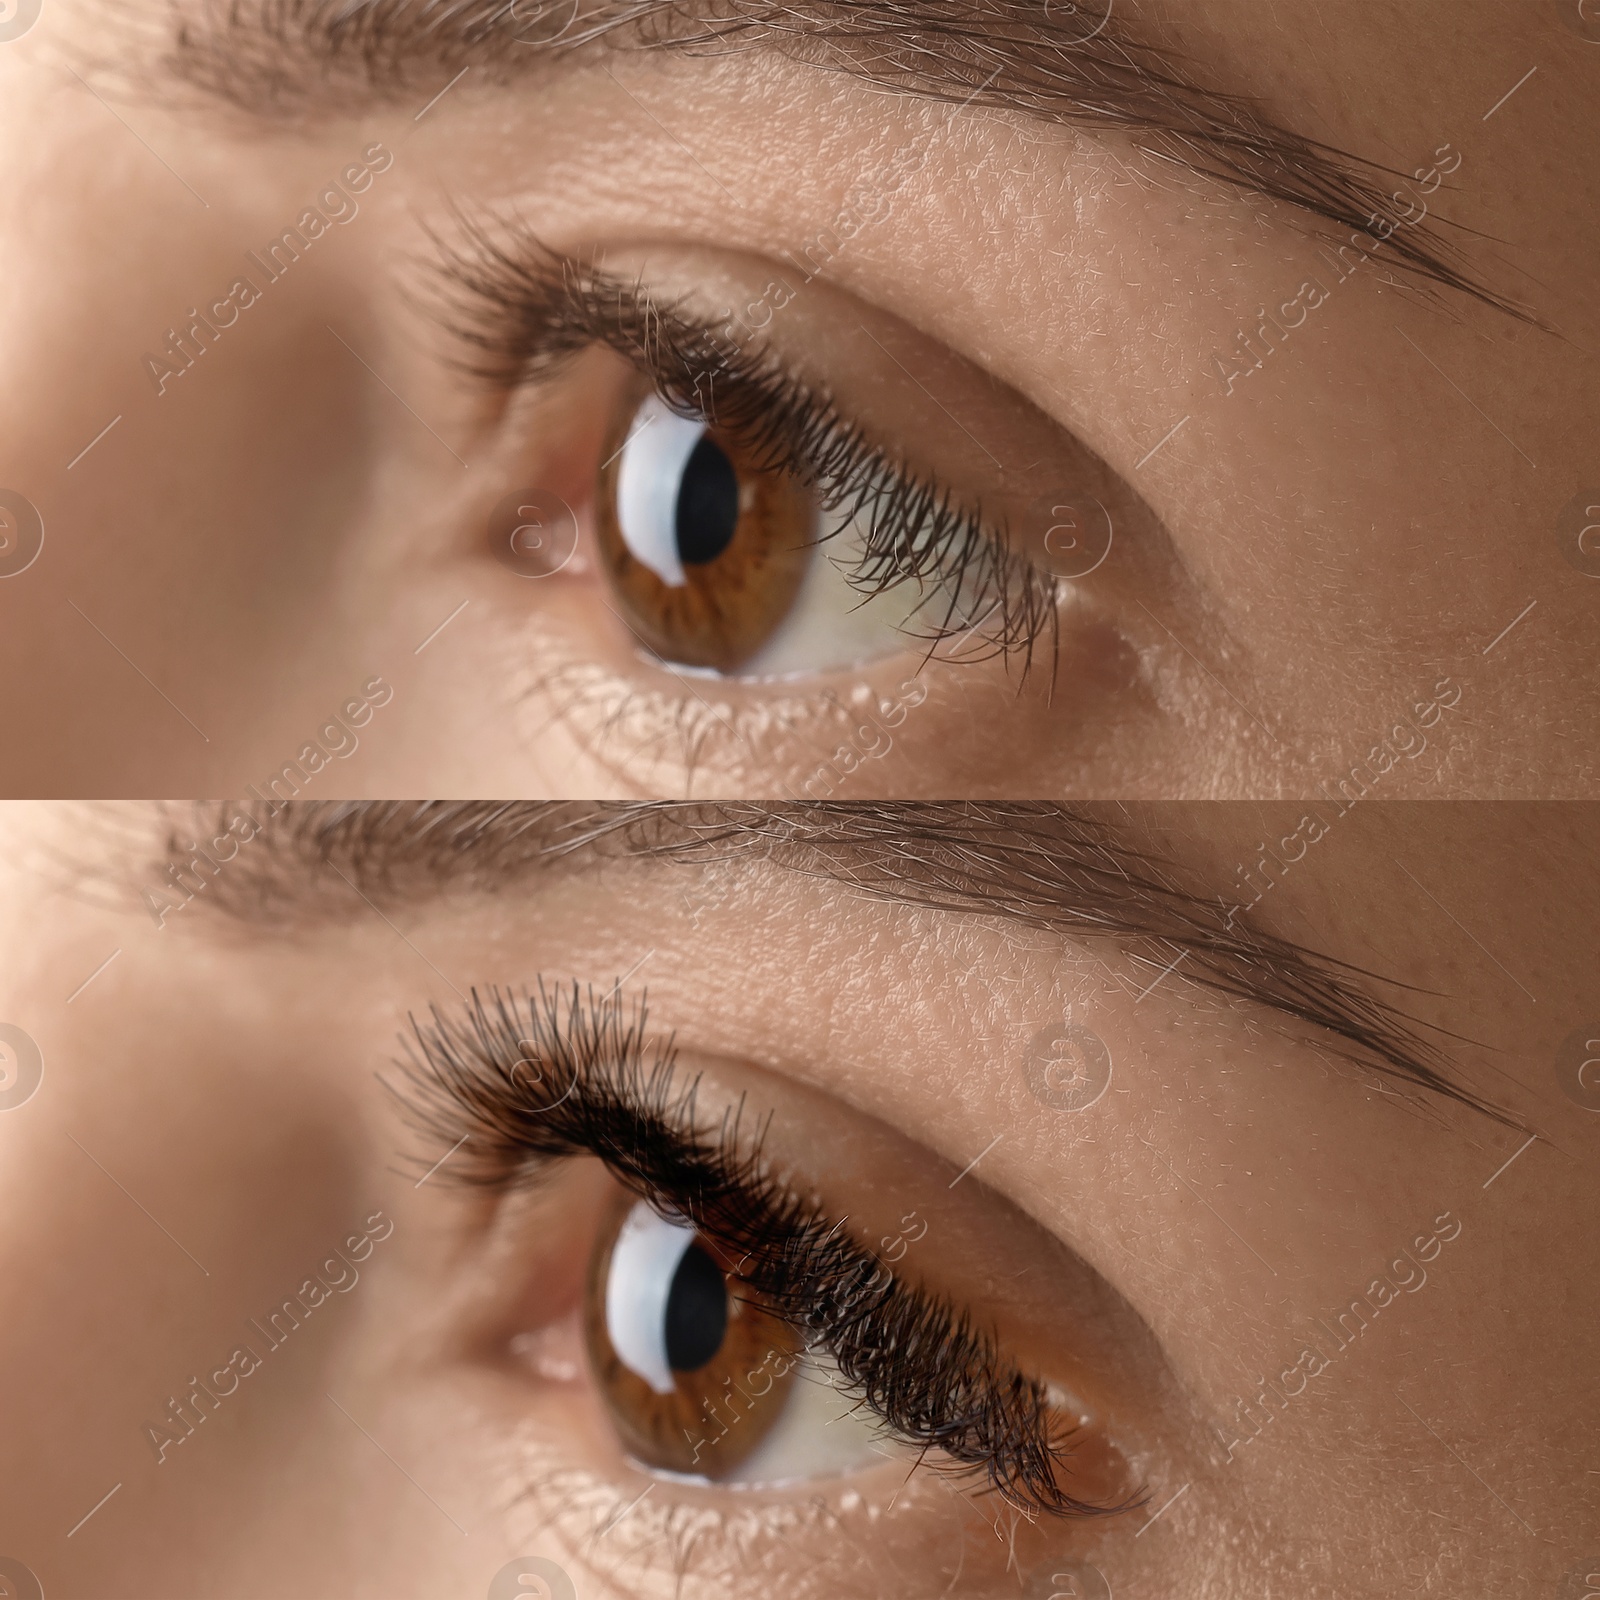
x=209 y=1127
x=1336 y=496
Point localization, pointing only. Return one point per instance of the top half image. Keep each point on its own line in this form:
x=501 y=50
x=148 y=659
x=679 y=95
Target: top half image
x=767 y=398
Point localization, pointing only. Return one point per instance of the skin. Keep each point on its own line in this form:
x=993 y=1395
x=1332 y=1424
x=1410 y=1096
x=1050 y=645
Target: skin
x=1295 y=571
x=225 y=1077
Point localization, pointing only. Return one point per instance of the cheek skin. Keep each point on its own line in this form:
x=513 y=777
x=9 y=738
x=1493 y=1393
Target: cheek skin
x=204 y=490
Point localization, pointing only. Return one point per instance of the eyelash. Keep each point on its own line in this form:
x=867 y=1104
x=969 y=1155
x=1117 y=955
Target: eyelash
x=524 y=311
x=914 y=1360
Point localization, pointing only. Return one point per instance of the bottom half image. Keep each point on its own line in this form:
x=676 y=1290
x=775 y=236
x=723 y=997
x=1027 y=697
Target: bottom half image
x=474 y=1201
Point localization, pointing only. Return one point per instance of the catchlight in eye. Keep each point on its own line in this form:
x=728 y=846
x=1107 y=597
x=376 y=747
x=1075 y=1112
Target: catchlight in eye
x=694 y=1373
x=705 y=550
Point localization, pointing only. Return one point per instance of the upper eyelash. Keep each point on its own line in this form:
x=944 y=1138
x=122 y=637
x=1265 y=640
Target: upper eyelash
x=601 y=1091
x=524 y=310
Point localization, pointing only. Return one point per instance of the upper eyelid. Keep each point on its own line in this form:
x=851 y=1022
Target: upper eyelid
x=523 y=311
x=602 y=1046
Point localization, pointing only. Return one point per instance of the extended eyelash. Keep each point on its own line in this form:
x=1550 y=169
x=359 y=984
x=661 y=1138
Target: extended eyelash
x=514 y=1084
x=524 y=311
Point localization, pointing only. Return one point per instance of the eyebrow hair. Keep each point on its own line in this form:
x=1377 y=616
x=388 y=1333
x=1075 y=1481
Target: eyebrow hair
x=1069 y=871
x=293 y=57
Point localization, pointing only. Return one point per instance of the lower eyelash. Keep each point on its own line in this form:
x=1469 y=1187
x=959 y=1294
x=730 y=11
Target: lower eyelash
x=913 y=1359
x=650 y=1543
x=695 y=732
x=524 y=311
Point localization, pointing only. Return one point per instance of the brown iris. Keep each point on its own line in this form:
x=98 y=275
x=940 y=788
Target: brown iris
x=692 y=1370
x=705 y=550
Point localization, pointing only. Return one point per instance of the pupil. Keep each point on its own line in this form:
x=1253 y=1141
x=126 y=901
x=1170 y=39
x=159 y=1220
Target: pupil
x=708 y=504
x=697 y=1312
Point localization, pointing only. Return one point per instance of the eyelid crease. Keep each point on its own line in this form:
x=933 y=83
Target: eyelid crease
x=522 y=311
x=515 y=1085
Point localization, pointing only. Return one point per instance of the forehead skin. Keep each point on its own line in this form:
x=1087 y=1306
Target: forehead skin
x=192 y=1064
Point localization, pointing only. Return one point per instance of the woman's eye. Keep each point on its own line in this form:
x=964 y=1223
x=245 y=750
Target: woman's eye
x=705 y=551
x=719 y=563
x=698 y=1378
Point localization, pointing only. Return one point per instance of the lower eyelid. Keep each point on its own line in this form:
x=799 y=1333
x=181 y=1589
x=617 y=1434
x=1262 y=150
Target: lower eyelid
x=880 y=1529
x=648 y=733
x=895 y=728
x=879 y=1535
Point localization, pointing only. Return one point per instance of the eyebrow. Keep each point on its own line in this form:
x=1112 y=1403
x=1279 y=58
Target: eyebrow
x=1069 y=871
x=299 y=58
